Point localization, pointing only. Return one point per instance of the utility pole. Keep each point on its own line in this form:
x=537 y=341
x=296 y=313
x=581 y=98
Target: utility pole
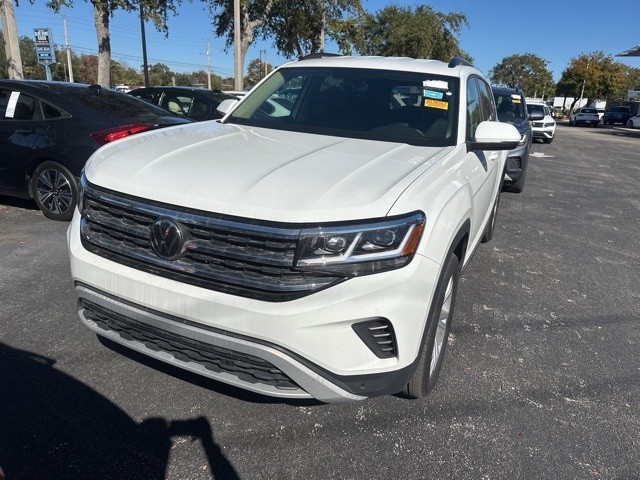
x=208 y=66
x=265 y=63
x=144 y=49
x=584 y=81
x=11 y=45
x=236 y=46
x=66 y=39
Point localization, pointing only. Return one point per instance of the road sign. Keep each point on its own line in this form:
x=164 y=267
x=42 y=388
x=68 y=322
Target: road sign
x=44 y=46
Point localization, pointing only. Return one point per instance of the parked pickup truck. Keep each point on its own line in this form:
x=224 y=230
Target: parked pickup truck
x=302 y=248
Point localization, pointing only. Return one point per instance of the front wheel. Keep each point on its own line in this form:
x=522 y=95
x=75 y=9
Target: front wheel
x=424 y=379
x=55 y=191
x=630 y=124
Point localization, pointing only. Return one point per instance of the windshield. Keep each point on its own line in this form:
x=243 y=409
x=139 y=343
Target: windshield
x=404 y=107
x=536 y=109
x=510 y=107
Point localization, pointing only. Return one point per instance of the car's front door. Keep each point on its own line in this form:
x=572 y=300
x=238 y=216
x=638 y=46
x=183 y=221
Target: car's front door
x=486 y=173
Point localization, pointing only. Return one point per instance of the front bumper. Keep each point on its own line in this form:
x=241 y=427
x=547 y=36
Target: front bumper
x=309 y=342
x=516 y=163
x=543 y=132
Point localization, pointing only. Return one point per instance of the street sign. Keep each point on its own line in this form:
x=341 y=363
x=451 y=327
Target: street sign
x=44 y=46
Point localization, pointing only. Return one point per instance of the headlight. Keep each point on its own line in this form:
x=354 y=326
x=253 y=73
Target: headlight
x=523 y=139
x=361 y=249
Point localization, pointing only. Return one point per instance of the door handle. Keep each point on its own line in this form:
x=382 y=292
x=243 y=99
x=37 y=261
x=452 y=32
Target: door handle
x=25 y=131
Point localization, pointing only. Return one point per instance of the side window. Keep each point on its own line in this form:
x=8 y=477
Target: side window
x=4 y=101
x=486 y=100
x=474 y=109
x=151 y=97
x=178 y=104
x=17 y=105
x=199 y=109
x=50 y=111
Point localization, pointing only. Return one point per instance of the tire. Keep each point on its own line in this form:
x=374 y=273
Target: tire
x=424 y=379
x=55 y=191
x=630 y=124
x=491 y=224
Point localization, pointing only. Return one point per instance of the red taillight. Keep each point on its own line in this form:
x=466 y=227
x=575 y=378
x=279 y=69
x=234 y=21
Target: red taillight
x=105 y=136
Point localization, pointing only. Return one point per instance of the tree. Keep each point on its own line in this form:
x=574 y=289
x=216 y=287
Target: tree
x=294 y=26
x=31 y=69
x=88 y=71
x=160 y=74
x=301 y=25
x=594 y=76
x=527 y=72
x=256 y=71
x=405 y=32
x=632 y=78
x=153 y=10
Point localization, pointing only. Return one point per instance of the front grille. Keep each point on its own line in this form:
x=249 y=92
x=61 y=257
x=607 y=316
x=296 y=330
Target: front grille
x=235 y=256
x=538 y=124
x=247 y=368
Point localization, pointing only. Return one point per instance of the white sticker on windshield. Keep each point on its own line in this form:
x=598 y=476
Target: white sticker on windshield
x=439 y=84
x=11 y=106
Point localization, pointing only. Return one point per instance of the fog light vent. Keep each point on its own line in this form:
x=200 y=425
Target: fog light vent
x=377 y=334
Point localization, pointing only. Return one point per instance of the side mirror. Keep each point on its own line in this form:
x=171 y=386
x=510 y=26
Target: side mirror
x=495 y=136
x=537 y=115
x=226 y=106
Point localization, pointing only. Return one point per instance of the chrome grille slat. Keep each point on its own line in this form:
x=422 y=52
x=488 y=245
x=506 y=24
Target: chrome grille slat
x=243 y=258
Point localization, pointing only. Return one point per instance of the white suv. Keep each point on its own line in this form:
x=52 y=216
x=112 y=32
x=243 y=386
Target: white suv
x=310 y=243
x=544 y=129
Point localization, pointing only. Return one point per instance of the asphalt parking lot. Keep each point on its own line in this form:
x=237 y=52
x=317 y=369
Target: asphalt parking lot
x=541 y=379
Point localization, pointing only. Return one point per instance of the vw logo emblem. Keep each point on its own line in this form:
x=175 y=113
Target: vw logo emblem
x=167 y=239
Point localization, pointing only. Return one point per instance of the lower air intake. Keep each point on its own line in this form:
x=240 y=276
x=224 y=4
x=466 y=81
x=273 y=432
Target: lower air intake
x=378 y=335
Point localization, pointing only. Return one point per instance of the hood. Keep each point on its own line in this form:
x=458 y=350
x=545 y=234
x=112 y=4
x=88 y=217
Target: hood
x=261 y=173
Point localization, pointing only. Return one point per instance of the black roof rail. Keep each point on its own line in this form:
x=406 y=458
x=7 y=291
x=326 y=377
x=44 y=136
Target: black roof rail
x=319 y=55
x=455 y=61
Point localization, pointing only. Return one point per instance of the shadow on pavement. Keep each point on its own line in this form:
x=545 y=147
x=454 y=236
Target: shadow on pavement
x=53 y=426
x=23 y=203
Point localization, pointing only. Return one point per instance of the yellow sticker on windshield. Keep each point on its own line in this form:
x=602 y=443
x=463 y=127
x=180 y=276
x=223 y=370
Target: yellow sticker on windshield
x=436 y=104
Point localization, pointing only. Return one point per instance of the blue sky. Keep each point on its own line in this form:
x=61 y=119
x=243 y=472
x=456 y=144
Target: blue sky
x=556 y=30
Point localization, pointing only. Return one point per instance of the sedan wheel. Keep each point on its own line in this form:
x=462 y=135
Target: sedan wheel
x=55 y=191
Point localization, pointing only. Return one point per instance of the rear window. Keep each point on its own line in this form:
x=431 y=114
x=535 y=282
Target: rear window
x=114 y=103
x=620 y=109
x=589 y=110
